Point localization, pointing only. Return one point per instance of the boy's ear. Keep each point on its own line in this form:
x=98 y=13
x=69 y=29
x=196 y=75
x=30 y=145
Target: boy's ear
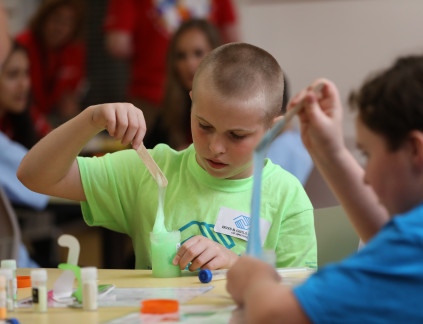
x=416 y=141
x=190 y=94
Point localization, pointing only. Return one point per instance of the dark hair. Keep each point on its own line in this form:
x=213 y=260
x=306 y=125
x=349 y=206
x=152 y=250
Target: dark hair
x=21 y=124
x=286 y=94
x=176 y=101
x=390 y=102
x=48 y=7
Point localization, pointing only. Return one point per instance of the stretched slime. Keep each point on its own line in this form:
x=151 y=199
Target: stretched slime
x=254 y=247
x=164 y=244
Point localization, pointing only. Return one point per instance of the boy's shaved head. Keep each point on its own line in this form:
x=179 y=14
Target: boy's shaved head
x=244 y=72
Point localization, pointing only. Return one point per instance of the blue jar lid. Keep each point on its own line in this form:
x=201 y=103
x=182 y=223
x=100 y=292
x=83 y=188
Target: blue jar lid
x=205 y=276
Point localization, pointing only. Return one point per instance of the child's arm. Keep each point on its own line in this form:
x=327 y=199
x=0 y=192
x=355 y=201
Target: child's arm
x=205 y=254
x=321 y=131
x=50 y=167
x=255 y=285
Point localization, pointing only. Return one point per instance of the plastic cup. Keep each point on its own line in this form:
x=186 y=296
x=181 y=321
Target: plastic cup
x=164 y=246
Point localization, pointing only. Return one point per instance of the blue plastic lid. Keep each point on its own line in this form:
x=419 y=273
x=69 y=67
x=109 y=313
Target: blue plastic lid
x=12 y=321
x=205 y=276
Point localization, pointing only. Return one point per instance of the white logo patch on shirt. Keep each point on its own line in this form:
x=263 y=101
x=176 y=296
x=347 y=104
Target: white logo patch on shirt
x=237 y=224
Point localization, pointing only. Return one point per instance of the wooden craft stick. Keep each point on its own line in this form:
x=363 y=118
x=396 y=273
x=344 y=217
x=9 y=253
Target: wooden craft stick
x=151 y=165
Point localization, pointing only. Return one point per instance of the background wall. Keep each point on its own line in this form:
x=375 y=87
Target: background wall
x=342 y=40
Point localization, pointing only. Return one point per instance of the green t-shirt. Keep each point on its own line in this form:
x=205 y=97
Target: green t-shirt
x=123 y=196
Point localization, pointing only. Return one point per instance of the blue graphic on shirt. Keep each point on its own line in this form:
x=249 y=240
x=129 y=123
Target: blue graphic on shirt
x=207 y=231
x=242 y=222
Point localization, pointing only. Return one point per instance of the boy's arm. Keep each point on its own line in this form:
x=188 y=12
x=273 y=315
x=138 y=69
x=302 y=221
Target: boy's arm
x=256 y=287
x=50 y=167
x=321 y=131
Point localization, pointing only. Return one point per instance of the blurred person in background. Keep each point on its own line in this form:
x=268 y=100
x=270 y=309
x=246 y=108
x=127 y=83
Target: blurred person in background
x=288 y=150
x=54 y=41
x=13 y=152
x=189 y=45
x=140 y=31
x=19 y=120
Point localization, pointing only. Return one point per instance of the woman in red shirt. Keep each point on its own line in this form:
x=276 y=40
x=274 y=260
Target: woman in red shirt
x=57 y=57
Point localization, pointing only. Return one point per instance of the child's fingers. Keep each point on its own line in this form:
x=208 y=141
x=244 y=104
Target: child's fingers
x=203 y=259
x=139 y=136
x=296 y=99
x=188 y=252
x=329 y=94
x=215 y=262
x=311 y=108
x=132 y=129
x=121 y=121
x=110 y=116
x=329 y=89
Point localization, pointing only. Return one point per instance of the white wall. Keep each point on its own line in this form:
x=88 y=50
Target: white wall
x=342 y=40
x=19 y=11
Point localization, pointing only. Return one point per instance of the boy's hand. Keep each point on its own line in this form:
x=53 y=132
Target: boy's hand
x=321 y=119
x=123 y=121
x=246 y=273
x=205 y=254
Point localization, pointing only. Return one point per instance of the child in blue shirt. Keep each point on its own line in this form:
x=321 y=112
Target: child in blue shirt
x=382 y=282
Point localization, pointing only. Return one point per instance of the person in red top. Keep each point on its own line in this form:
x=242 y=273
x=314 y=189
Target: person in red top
x=191 y=42
x=140 y=30
x=57 y=57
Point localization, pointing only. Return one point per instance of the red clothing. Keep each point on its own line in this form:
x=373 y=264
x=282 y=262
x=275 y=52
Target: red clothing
x=53 y=72
x=34 y=119
x=41 y=125
x=150 y=38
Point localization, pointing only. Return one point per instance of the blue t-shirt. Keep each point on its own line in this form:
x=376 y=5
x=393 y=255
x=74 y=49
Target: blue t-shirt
x=288 y=151
x=382 y=283
x=10 y=158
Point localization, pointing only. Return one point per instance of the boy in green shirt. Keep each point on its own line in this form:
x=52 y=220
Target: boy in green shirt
x=236 y=97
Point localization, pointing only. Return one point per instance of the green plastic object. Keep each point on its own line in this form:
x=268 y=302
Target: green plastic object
x=77 y=272
x=164 y=246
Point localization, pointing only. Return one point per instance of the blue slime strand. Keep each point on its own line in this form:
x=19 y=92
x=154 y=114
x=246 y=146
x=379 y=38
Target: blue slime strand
x=254 y=248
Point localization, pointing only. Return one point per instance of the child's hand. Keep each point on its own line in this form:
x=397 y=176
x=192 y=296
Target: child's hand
x=205 y=254
x=245 y=273
x=123 y=121
x=321 y=119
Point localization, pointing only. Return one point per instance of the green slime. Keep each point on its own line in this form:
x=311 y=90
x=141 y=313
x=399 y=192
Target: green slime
x=164 y=244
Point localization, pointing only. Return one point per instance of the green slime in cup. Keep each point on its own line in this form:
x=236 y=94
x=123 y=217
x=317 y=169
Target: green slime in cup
x=164 y=244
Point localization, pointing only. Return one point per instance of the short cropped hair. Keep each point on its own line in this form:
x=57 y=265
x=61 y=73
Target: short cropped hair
x=242 y=70
x=390 y=103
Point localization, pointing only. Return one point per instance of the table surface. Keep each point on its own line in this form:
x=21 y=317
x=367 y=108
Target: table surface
x=122 y=279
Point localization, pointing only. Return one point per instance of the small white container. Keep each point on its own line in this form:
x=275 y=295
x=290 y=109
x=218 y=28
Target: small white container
x=3 y=310
x=39 y=290
x=8 y=275
x=11 y=264
x=89 y=288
